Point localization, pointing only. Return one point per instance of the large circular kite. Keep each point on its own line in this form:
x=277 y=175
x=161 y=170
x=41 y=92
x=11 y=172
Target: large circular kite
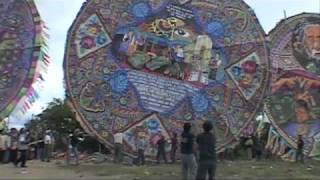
x=146 y=67
x=294 y=102
x=21 y=52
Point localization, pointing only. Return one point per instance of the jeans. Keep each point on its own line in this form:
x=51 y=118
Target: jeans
x=118 y=153
x=189 y=166
x=22 y=158
x=40 y=154
x=13 y=155
x=47 y=152
x=161 y=152
x=73 y=150
x=206 y=166
x=299 y=155
x=141 y=159
x=173 y=155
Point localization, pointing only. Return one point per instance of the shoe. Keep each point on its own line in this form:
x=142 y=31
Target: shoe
x=24 y=166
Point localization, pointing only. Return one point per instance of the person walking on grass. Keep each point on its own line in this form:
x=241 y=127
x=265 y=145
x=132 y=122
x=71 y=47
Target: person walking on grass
x=207 y=153
x=23 y=148
x=300 y=145
x=188 y=160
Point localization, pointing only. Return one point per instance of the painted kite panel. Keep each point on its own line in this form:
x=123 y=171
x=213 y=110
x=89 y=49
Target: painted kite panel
x=21 y=50
x=294 y=98
x=176 y=61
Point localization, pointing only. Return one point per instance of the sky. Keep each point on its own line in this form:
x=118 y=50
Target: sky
x=59 y=15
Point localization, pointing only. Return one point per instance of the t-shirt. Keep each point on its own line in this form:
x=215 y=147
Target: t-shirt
x=187 y=140
x=47 y=139
x=75 y=140
x=118 y=138
x=207 y=146
x=161 y=144
x=300 y=144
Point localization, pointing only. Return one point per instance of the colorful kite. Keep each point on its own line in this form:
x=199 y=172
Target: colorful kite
x=22 y=55
x=148 y=66
x=293 y=105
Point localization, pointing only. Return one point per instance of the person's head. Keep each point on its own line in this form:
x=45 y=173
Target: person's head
x=186 y=127
x=299 y=136
x=311 y=39
x=207 y=126
x=22 y=130
x=302 y=111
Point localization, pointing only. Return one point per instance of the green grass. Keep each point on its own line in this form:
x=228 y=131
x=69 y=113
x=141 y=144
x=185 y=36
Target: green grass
x=226 y=170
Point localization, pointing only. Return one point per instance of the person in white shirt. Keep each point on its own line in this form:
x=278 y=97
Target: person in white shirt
x=118 y=142
x=47 y=145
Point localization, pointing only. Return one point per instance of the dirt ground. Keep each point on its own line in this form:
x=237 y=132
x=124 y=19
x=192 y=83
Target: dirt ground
x=226 y=170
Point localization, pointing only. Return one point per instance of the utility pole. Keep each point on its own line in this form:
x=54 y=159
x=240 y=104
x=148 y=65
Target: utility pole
x=285 y=14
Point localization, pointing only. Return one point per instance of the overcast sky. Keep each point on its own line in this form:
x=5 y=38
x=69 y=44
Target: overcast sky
x=59 y=14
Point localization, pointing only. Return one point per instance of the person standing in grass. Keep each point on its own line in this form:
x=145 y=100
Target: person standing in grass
x=207 y=153
x=161 y=149
x=300 y=144
x=174 y=146
x=188 y=160
x=47 y=145
x=141 y=145
x=118 y=143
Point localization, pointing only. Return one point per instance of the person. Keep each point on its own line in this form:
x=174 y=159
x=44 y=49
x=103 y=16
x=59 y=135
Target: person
x=118 y=143
x=47 y=145
x=174 y=146
x=258 y=148
x=40 y=152
x=14 y=141
x=161 y=149
x=299 y=153
x=141 y=145
x=207 y=153
x=23 y=148
x=6 y=157
x=2 y=145
x=188 y=160
x=75 y=139
x=249 y=147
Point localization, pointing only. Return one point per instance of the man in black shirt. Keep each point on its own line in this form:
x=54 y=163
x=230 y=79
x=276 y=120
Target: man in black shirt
x=189 y=164
x=300 y=144
x=207 y=153
x=75 y=140
x=161 y=149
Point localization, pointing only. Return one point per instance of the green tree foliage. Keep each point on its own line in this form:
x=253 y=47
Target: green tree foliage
x=57 y=117
x=60 y=119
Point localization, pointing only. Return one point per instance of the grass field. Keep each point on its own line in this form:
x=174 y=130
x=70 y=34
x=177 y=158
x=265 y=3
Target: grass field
x=226 y=170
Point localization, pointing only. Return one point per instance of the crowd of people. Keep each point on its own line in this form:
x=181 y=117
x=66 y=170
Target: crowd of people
x=197 y=163
x=197 y=152
x=18 y=146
